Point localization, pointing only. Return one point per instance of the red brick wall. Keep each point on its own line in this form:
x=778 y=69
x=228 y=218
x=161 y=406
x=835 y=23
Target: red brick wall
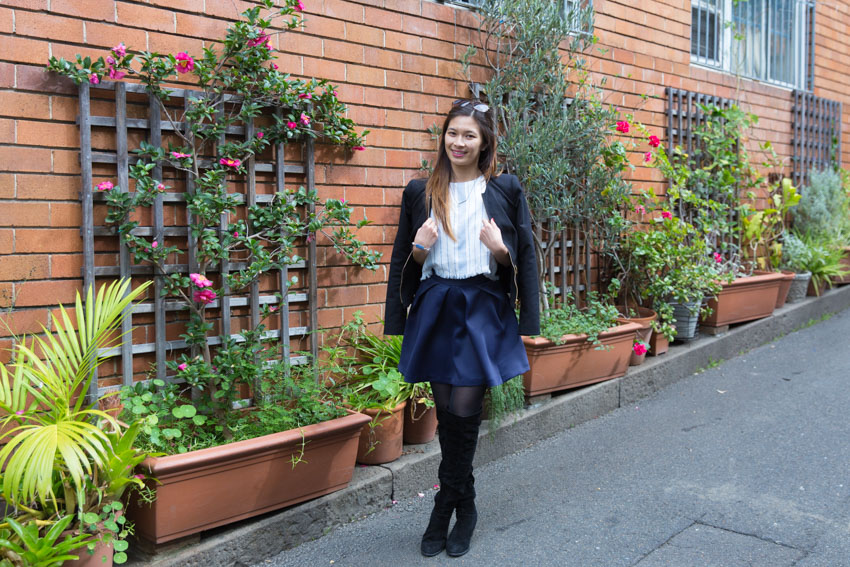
x=395 y=62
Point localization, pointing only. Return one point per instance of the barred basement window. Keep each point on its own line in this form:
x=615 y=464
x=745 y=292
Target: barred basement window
x=766 y=40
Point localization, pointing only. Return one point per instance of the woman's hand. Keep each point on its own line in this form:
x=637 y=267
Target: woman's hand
x=491 y=237
x=427 y=237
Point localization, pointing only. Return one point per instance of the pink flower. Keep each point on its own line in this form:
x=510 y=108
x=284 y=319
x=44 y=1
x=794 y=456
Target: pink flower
x=141 y=476
x=185 y=63
x=718 y=257
x=654 y=141
x=200 y=280
x=647 y=156
x=666 y=215
x=639 y=349
x=160 y=187
x=305 y=95
x=204 y=296
x=305 y=120
x=94 y=79
x=105 y=186
x=273 y=308
x=181 y=367
x=110 y=60
x=120 y=50
x=359 y=148
x=260 y=39
x=116 y=75
x=179 y=155
x=154 y=244
x=640 y=209
x=299 y=6
x=623 y=126
x=291 y=125
x=230 y=162
x=260 y=135
x=274 y=66
x=19 y=412
x=235 y=235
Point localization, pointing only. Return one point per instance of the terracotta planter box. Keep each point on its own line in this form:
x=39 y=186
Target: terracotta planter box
x=784 y=287
x=745 y=299
x=577 y=362
x=644 y=318
x=658 y=344
x=203 y=489
x=102 y=557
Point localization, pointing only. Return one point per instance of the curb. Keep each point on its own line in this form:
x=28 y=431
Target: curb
x=373 y=488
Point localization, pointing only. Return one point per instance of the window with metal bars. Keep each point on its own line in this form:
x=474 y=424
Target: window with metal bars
x=766 y=40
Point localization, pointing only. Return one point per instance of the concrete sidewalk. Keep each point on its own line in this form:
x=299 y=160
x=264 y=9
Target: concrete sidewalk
x=521 y=498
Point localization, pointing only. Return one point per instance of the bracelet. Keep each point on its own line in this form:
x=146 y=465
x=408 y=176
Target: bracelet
x=425 y=248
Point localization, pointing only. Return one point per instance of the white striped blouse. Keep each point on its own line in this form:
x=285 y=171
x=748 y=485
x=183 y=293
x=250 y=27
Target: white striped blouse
x=467 y=256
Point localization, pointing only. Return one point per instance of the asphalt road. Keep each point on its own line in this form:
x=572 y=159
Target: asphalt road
x=743 y=464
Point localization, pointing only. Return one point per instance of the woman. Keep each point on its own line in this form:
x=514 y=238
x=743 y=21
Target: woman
x=462 y=260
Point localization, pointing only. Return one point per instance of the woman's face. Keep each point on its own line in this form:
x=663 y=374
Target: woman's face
x=463 y=141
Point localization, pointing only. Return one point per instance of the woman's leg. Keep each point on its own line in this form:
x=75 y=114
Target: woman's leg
x=434 y=538
x=459 y=415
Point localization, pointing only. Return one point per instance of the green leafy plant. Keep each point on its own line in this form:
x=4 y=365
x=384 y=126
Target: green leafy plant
x=63 y=458
x=824 y=209
x=26 y=545
x=763 y=228
x=822 y=257
x=563 y=317
x=668 y=262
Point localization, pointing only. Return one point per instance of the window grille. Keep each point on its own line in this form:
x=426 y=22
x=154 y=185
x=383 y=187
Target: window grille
x=137 y=115
x=817 y=134
x=766 y=40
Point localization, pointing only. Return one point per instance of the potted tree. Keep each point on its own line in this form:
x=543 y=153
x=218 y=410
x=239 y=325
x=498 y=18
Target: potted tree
x=247 y=462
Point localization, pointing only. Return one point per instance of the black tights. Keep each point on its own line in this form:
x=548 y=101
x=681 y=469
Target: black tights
x=462 y=401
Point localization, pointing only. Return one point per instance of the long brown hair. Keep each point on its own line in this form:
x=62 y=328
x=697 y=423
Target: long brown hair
x=437 y=188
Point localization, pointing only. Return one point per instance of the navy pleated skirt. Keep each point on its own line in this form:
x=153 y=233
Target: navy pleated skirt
x=461 y=332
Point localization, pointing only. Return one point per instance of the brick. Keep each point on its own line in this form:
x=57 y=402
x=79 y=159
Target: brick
x=201 y=27
x=384 y=177
x=7 y=75
x=404 y=81
x=32 y=78
x=365 y=116
x=171 y=43
x=369 y=312
x=364 y=196
x=7 y=131
x=48 y=187
x=230 y=9
x=406 y=6
x=343 y=51
x=7 y=186
x=382 y=58
x=329 y=318
x=366 y=35
x=23 y=266
x=349 y=295
x=56 y=134
x=40 y=25
x=403 y=158
x=65 y=161
x=383 y=19
x=365 y=75
x=54 y=240
x=406 y=120
x=52 y=292
x=326 y=27
x=437 y=48
x=25 y=159
x=22 y=321
x=107 y=35
x=7 y=242
x=343 y=10
x=66 y=265
x=24 y=105
x=402 y=42
x=135 y=15
x=28 y=4
x=324 y=69
x=16 y=213
x=23 y=50
x=343 y=174
x=383 y=98
x=301 y=43
x=442 y=12
x=418 y=64
x=420 y=103
x=385 y=138
x=66 y=215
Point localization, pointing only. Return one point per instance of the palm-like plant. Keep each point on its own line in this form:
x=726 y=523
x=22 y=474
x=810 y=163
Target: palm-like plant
x=56 y=442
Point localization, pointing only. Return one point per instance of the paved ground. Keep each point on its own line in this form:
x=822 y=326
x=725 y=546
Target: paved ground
x=744 y=464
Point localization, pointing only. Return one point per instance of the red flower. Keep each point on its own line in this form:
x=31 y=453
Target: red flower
x=666 y=215
x=185 y=63
x=718 y=257
x=639 y=349
x=654 y=141
x=647 y=156
x=359 y=148
x=305 y=95
x=623 y=126
x=204 y=296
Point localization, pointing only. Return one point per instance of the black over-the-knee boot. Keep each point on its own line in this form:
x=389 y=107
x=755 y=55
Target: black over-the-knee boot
x=464 y=433
x=434 y=539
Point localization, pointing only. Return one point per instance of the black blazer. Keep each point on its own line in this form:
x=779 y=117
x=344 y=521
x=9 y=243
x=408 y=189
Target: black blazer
x=505 y=202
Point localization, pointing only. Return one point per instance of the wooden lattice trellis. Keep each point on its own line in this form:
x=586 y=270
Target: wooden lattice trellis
x=99 y=242
x=817 y=134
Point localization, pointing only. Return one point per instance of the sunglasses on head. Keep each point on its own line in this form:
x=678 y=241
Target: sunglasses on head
x=480 y=107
